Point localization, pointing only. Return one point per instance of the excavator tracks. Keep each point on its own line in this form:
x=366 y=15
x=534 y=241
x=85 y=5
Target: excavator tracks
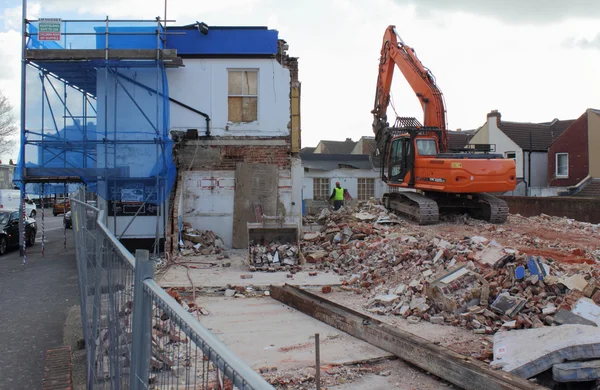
x=414 y=205
x=424 y=209
x=494 y=210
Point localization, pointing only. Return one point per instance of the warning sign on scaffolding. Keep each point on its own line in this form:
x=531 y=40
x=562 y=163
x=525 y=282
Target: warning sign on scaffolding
x=130 y=198
x=49 y=29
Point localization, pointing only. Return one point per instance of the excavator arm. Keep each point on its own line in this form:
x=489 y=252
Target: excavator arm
x=394 y=52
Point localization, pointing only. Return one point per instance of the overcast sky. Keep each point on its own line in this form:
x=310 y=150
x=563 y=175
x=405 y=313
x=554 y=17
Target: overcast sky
x=533 y=60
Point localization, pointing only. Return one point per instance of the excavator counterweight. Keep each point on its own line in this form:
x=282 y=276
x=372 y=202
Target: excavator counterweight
x=415 y=159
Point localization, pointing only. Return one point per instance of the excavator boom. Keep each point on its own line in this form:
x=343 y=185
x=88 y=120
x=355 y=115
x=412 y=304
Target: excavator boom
x=394 y=52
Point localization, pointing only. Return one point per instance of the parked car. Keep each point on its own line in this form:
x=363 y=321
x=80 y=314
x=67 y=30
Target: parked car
x=11 y=199
x=61 y=206
x=9 y=236
x=68 y=224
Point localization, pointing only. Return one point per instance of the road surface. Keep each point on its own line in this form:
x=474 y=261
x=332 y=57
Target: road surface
x=34 y=299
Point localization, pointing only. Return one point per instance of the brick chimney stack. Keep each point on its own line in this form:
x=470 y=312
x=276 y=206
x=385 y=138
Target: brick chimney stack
x=495 y=113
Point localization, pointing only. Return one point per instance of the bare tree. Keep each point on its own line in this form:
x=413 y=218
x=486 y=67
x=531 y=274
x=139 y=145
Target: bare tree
x=8 y=125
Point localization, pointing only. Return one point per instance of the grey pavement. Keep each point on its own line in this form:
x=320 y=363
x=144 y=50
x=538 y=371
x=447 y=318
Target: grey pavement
x=34 y=299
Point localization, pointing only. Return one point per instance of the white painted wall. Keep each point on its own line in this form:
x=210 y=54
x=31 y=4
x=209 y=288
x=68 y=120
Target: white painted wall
x=505 y=144
x=539 y=169
x=348 y=179
x=208 y=200
x=203 y=85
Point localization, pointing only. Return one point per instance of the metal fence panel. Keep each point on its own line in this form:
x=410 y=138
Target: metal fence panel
x=136 y=335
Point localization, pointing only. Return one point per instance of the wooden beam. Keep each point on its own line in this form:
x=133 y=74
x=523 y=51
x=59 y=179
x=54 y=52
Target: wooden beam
x=457 y=369
x=99 y=54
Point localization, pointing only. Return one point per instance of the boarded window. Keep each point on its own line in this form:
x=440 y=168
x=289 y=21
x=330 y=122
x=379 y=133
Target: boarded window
x=243 y=96
x=366 y=189
x=562 y=165
x=321 y=189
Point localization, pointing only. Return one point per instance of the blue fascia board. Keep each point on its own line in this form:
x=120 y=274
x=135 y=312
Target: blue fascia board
x=223 y=41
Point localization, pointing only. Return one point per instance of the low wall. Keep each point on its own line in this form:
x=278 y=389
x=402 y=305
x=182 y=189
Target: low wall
x=579 y=209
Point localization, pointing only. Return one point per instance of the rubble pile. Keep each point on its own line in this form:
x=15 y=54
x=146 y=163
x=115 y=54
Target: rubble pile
x=197 y=242
x=331 y=375
x=467 y=281
x=273 y=256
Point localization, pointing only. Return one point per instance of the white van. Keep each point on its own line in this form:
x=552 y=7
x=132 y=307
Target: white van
x=10 y=199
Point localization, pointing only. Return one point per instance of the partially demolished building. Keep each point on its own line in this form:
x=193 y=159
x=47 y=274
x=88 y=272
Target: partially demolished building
x=236 y=125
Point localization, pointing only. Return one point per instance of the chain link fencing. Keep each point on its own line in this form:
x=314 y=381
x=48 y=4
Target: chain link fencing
x=136 y=335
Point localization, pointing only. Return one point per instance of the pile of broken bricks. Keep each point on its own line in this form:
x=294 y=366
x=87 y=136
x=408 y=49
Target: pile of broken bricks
x=470 y=282
x=273 y=256
x=200 y=242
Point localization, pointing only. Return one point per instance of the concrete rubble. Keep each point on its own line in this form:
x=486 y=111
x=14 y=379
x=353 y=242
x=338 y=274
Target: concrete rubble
x=469 y=281
x=273 y=256
x=196 y=242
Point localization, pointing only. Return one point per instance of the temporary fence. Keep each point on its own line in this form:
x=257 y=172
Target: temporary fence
x=136 y=335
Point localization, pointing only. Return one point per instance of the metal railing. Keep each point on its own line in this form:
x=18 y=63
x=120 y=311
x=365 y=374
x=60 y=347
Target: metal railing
x=136 y=335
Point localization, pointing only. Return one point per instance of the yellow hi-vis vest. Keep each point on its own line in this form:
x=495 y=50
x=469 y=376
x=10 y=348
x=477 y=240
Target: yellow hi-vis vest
x=339 y=194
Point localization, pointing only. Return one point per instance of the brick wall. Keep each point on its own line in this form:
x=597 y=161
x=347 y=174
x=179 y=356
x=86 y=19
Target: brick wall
x=579 y=209
x=211 y=157
x=575 y=142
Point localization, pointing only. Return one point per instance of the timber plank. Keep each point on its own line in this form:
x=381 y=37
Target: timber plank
x=460 y=370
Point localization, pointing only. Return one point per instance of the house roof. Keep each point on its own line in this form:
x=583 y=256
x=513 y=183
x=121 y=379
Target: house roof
x=459 y=139
x=367 y=146
x=338 y=147
x=308 y=150
x=542 y=134
x=329 y=162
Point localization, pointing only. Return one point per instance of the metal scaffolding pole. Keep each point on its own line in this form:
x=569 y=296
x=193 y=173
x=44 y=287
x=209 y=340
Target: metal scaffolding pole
x=23 y=127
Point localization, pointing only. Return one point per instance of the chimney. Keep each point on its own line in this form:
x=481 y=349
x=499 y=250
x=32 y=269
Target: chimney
x=348 y=139
x=495 y=113
x=459 y=129
x=11 y=162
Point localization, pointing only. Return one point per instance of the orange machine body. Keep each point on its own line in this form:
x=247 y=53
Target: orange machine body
x=417 y=156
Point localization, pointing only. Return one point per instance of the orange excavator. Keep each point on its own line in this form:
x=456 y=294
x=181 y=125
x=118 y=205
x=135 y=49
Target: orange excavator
x=424 y=175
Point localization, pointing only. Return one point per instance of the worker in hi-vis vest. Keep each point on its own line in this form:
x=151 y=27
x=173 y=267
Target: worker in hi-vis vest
x=338 y=195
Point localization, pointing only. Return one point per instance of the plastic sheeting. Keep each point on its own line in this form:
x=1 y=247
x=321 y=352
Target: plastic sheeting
x=103 y=123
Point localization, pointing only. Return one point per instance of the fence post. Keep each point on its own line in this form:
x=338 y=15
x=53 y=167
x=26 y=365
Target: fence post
x=141 y=347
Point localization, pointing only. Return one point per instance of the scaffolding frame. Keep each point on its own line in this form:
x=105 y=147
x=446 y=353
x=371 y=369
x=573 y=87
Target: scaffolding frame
x=81 y=70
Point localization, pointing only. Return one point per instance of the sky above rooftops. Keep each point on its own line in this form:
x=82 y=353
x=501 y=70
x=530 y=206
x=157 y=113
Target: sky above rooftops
x=533 y=60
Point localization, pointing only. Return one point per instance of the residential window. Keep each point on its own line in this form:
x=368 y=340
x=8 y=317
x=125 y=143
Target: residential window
x=512 y=155
x=321 y=188
x=243 y=96
x=366 y=189
x=562 y=165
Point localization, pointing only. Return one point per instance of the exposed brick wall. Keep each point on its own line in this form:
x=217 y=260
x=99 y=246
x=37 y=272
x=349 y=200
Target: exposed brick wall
x=575 y=142
x=202 y=157
x=579 y=209
x=192 y=155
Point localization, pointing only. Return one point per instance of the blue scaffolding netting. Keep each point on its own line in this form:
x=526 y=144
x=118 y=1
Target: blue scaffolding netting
x=97 y=122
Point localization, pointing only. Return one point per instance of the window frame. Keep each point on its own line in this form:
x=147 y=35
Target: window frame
x=323 y=187
x=428 y=140
x=242 y=96
x=365 y=190
x=556 y=158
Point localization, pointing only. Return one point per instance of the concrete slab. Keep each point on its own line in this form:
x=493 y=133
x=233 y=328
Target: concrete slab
x=218 y=276
x=264 y=332
x=529 y=352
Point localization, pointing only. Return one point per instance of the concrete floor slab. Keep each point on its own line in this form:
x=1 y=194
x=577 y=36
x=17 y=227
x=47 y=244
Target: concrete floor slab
x=264 y=332
x=217 y=276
